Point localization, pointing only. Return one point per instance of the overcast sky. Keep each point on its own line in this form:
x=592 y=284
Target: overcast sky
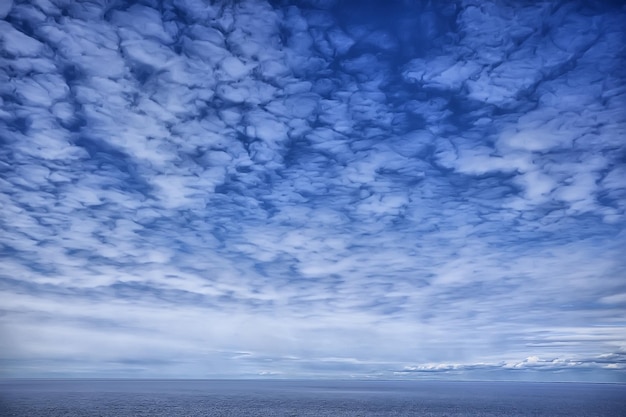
x=337 y=189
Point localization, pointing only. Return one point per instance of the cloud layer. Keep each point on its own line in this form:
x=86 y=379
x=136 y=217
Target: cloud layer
x=312 y=188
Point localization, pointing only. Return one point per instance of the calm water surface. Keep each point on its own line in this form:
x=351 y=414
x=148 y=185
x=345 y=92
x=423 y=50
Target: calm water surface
x=125 y=398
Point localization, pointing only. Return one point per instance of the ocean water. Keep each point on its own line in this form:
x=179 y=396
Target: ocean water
x=155 y=398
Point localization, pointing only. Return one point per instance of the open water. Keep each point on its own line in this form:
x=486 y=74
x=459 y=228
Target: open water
x=172 y=398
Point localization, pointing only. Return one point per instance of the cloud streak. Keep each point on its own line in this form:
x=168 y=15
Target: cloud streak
x=312 y=189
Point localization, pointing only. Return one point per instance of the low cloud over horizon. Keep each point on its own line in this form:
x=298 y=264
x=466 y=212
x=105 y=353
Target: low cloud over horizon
x=332 y=189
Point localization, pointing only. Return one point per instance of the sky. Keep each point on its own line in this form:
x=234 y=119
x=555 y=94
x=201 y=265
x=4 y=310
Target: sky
x=313 y=189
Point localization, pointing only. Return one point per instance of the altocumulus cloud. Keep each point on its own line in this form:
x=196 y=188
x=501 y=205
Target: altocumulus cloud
x=313 y=189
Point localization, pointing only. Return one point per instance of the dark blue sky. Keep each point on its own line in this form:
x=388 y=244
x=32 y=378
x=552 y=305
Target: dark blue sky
x=403 y=189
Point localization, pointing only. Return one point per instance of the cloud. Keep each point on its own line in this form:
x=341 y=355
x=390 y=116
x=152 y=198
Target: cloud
x=331 y=190
x=524 y=369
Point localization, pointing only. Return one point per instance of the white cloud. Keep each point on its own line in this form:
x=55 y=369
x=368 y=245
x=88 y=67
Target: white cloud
x=294 y=184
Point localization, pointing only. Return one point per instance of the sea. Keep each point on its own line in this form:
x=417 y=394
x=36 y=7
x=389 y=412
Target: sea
x=235 y=398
